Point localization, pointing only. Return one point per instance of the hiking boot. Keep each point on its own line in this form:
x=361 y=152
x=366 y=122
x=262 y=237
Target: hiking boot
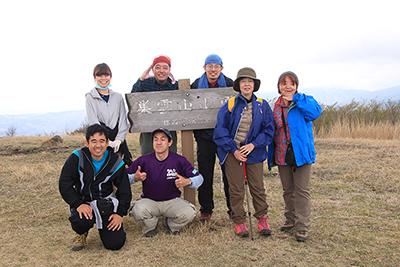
x=205 y=217
x=151 y=233
x=263 y=226
x=79 y=241
x=165 y=223
x=287 y=226
x=241 y=229
x=302 y=235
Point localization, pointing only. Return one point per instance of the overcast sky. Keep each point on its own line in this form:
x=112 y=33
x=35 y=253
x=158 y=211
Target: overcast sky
x=49 y=48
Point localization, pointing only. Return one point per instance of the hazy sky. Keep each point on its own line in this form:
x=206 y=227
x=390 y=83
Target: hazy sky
x=49 y=48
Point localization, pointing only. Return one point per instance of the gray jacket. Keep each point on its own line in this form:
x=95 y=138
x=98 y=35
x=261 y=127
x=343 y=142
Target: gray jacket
x=110 y=113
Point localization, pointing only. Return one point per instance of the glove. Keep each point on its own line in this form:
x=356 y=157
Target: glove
x=115 y=144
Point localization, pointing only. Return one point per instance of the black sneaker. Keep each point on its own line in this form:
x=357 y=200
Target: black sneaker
x=165 y=223
x=151 y=233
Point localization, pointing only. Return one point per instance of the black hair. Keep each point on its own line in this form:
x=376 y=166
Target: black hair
x=96 y=128
x=102 y=69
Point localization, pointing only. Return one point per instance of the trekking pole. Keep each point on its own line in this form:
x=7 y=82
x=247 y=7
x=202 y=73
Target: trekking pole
x=248 y=200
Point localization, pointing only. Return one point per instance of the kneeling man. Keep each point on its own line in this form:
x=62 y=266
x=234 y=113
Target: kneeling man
x=87 y=184
x=162 y=173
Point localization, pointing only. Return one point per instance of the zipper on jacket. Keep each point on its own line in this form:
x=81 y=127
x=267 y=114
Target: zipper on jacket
x=91 y=181
x=94 y=172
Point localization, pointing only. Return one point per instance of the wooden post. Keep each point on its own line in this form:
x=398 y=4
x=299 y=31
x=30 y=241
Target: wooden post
x=189 y=194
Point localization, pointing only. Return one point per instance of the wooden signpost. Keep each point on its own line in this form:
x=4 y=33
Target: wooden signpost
x=184 y=110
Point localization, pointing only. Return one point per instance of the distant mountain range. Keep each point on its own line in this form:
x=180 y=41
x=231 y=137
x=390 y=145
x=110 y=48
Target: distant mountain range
x=43 y=124
x=330 y=96
x=67 y=121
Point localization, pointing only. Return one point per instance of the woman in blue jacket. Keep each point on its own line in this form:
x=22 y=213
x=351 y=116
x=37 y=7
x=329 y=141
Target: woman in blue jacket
x=244 y=128
x=298 y=110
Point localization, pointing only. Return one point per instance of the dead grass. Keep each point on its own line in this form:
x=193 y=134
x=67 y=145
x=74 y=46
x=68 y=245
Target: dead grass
x=355 y=214
x=346 y=128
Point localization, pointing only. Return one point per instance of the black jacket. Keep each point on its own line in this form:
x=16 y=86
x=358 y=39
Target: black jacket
x=208 y=133
x=78 y=183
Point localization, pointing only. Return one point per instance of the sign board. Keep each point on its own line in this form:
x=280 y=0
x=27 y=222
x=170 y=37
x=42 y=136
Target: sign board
x=176 y=110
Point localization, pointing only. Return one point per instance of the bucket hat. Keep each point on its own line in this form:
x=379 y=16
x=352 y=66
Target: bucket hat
x=246 y=73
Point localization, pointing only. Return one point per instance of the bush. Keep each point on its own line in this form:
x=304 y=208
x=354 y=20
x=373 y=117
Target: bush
x=374 y=119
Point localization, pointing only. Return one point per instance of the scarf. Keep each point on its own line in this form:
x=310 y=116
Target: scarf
x=203 y=83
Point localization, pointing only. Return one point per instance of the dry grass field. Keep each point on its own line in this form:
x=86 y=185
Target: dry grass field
x=354 y=222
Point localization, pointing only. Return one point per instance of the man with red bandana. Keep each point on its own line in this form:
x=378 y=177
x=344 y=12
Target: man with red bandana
x=161 y=80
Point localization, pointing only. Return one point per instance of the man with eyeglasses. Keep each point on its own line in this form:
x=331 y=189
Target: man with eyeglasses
x=161 y=80
x=206 y=148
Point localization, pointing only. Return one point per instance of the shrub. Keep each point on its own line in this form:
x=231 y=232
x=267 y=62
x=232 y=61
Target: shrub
x=374 y=120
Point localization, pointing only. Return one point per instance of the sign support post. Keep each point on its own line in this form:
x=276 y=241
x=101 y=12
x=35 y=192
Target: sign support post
x=189 y=194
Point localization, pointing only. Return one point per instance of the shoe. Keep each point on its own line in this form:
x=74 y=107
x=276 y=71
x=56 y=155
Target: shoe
x=205 y=217
x=151 y=233
x=287 y=226
x=165 y=223
x=79 y=241
x=301 y=235
x=263 y=226
x=241 y=230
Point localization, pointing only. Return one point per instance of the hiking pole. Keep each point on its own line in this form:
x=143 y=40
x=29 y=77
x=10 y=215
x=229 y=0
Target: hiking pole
x=248 y=199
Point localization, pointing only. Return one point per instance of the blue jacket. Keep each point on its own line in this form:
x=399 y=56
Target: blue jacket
x=302 y=112
x=261 y=132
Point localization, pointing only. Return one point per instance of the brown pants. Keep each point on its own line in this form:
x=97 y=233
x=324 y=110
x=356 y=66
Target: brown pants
x=235 y=174
x=296 y=194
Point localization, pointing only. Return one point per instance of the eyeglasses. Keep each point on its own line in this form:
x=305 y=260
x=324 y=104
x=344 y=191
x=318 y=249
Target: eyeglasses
x=215 y=67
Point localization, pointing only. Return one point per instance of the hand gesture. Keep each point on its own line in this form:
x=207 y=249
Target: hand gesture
x=85 y=210
x=181 y=181
x=246 y=149
x=239 y=155
x=115 y=222
x=140 y=176
x=287 y=98
x=115 y=144
x=146 y=74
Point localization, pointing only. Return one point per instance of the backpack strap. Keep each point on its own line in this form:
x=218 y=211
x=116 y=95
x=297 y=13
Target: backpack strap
x=231 y=102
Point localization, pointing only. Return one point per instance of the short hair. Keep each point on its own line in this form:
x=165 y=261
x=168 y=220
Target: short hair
x=101 y=69
x=291 y=78
x=96 y=128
